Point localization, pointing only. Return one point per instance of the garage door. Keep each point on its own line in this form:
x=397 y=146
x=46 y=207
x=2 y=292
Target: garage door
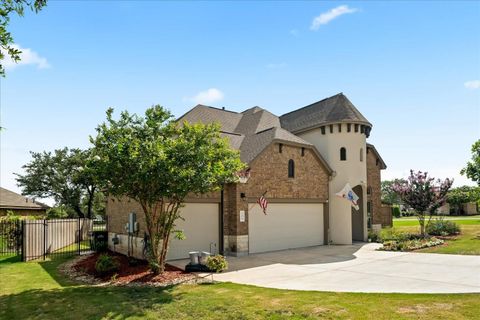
x=286 y=226
x=201 y=229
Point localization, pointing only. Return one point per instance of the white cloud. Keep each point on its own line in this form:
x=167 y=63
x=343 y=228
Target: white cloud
x=208 y=96
x=474 y=84
x=276 y=65
x=328 y=16
x=27 y=57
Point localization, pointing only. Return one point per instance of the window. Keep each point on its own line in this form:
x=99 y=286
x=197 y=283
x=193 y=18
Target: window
x=369 y=190
x=361 y=154
x=349 y=127
x=356 y=128
x=343 y=154
x=323 y=130
x=377 y=162
x=303 y=152
x=280 y=147
x=291 y=168
x=339 y=127
x=331 y=128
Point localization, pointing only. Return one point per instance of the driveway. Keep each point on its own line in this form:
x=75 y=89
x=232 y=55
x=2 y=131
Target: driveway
x=356 y=268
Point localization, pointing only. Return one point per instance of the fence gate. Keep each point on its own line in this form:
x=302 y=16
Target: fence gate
x=11 y=237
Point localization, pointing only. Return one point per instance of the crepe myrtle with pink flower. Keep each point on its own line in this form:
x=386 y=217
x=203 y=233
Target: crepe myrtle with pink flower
x=424 y=194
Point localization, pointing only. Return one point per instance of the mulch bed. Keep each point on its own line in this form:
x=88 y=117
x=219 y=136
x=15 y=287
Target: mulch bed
x=131 y=271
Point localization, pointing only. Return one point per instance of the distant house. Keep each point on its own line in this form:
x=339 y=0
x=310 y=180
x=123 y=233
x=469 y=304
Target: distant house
x=20 y=205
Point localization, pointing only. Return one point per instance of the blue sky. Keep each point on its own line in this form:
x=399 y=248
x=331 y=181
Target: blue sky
x=412 y=68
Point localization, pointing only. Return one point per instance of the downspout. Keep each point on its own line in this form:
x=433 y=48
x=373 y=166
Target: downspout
x=221 y=244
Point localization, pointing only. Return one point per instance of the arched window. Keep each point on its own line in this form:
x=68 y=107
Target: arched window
x=343 y=154
x=361 y=154
x=291 y=168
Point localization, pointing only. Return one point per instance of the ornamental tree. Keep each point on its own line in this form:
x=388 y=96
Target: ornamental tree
x=423 y=194
x=472 y=170
x=158 y=162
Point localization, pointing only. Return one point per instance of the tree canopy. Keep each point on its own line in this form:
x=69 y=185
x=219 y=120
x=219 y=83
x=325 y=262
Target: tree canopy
x=389 y=196
x=7 y=7
x=158 y=162
x=64 y=175
x=472 y=170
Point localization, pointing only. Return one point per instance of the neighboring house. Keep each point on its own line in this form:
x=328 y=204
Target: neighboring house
x=299 y=160
x=470 y=208
x=20 y=205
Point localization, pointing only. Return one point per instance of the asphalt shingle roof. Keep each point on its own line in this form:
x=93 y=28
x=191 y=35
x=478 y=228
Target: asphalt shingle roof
x=250 y=131
x=330 y=110
x=12 y=200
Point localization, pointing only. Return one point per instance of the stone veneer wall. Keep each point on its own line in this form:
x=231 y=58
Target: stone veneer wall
x=379 y=215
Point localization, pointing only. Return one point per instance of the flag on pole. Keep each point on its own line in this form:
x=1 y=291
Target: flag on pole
x=348 y=194
x=263 y=203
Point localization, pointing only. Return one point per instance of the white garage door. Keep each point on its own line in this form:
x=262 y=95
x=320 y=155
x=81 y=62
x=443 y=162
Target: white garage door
x=286 y=226
x=201 y=229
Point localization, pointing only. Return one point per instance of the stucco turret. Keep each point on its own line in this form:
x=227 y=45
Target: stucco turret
x=339 y=131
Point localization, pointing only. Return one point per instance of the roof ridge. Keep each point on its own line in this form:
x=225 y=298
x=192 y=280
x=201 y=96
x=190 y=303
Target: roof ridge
x=311 y=104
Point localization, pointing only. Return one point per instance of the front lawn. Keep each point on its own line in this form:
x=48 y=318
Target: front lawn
x=467 y=242
x=35 y=290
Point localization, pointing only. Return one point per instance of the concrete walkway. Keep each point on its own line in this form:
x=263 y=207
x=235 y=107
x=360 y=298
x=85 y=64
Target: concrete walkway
x=356 y=268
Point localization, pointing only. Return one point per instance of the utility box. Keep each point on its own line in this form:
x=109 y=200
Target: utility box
x=132 y=225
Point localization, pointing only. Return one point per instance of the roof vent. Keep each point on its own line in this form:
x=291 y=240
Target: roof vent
x=223 y=108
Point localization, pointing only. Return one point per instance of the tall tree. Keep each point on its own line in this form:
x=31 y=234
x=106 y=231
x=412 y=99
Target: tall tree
x=7 y=7
x=157 y=162
x=423 y=194
x=472 y=170
x=389 y=196
x=64 y=175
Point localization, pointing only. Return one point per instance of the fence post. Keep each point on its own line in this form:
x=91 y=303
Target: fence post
x=44 y=239
x=79 y=235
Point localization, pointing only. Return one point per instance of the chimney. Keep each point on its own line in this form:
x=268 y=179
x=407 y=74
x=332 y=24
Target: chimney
x=223 y=108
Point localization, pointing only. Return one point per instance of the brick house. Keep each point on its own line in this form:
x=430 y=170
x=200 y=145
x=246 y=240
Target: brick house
x=299 y=161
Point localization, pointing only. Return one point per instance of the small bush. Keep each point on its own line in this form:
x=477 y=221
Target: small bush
x=217 y=263
x=393 y=234
x=409 y=245
x=396 y=212
x=373 y=236
x=442 y=228
x=106 y=264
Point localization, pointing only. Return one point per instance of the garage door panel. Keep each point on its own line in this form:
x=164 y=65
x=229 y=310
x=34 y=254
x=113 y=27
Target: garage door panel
x=286 y=226
x=201 y=228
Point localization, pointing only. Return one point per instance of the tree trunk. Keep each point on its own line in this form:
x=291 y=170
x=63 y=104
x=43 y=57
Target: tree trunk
x=79 y=211
x=91 y=196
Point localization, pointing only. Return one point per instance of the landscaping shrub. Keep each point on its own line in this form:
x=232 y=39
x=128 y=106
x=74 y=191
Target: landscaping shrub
x=373 y=236
x=409 y=245
x=396 y=212
x=442 y=228
x=217 y=263
x=106 y=264
x=395 y=235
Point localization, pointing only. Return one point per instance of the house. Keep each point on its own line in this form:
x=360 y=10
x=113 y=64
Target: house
x=20 y=205
x=299 y=161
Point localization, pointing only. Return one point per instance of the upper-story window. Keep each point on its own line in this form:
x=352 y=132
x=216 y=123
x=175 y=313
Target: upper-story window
x=343 y=154
x=291 y=168
x=361 y=154
x=280 y=148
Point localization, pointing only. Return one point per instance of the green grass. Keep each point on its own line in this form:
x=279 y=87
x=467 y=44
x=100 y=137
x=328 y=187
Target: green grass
x=467 y=243
x=35 y=290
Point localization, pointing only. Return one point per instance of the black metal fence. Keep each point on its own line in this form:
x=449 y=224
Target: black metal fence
x=35 y=239
x=11 y=237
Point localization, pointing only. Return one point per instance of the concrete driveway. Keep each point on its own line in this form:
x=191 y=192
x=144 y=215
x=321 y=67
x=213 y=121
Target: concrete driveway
x=356 y=268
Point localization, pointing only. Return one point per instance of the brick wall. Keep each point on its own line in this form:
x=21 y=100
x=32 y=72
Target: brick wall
x=379 y=216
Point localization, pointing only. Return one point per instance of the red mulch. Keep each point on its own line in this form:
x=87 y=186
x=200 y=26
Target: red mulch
x=136 y=272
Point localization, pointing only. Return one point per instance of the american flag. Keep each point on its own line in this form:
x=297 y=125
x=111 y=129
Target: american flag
x=263 y=203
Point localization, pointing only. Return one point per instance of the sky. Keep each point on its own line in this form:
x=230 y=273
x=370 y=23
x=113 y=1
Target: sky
x=411 y=68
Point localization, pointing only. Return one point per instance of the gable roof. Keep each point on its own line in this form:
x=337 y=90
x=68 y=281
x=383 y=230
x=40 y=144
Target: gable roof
x=330 y=110
x=12 y=200
x=372 y=147
x=250 y=131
